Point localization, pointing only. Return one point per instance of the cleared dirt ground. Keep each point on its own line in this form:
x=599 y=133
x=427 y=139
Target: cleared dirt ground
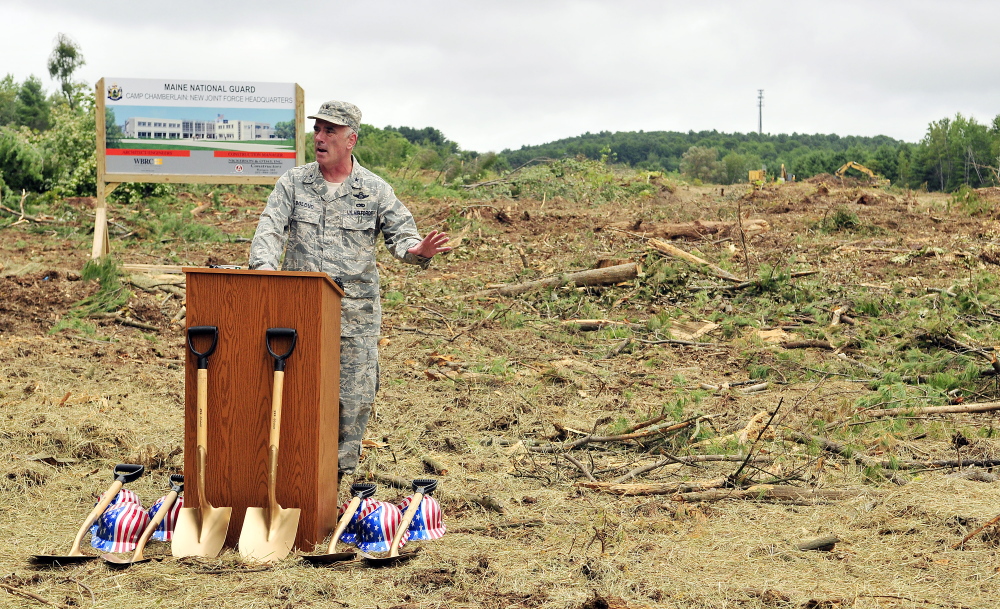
x=497 y=387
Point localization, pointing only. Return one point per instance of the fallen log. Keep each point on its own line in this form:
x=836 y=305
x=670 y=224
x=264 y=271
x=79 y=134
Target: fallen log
x=823 y=544
x=957 y=408
x=592 y=325
x=767 y=491
x=808 y=344
x=606 y=276
x=438 y=467
x=831 y=447
x=689 y=460
x=654 y=489
x=153 y=268
x=509 y=524
x=652 y=431
x=747 y=284
x=125 y=321
x=693 y=231
x=940 y=463
x=676 y=252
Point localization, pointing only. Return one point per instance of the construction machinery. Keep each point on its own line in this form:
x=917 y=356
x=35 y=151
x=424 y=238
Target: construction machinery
x=876 y=179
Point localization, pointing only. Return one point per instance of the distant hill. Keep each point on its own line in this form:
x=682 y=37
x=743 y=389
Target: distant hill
x=802 y=154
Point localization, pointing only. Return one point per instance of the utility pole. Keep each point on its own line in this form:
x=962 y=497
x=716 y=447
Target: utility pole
x=760 y=111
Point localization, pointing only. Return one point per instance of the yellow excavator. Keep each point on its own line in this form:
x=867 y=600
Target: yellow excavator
x=876 y=179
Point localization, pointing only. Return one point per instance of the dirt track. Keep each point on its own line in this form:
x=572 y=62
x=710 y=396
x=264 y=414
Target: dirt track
x=481 y=382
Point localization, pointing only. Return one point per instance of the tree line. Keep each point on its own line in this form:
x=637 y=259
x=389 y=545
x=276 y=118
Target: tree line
x=954 y=152
x=47 y=144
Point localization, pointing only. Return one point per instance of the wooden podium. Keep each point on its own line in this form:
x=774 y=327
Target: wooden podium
x=243 y=304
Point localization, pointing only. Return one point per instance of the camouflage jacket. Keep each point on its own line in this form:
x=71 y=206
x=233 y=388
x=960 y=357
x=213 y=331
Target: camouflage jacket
x=336 y=232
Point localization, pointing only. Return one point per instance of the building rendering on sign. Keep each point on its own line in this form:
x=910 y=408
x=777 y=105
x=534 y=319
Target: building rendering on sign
x=188 y=129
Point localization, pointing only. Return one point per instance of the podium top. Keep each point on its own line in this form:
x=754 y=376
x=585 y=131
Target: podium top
x=210 y=271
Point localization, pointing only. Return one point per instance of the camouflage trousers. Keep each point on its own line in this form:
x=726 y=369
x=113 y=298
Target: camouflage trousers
x=358 y=385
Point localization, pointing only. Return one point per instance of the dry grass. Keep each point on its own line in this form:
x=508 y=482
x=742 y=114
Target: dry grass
x=593 y=550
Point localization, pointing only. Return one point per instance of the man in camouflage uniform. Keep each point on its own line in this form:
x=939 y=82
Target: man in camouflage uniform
x=330 y=213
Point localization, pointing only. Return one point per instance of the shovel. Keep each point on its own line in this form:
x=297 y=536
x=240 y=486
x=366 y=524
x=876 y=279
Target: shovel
x=201 y=531
x=421 y=487
x=123 y=473
x=269 y=533
x=116 y=562
x=360 y=491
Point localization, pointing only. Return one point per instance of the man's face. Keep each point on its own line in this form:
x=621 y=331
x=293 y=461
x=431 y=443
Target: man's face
x=333 y=143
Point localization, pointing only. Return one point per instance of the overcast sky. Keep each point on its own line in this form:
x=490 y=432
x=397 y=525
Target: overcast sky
x=495 y=75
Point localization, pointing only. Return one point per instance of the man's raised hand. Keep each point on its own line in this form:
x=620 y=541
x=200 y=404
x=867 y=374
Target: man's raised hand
x=432 y=244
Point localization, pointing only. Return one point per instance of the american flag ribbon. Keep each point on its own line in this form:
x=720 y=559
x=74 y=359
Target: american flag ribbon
x=165 y=530
x=124 y=496
x=378 y=528
x=428 y=522
x=119 y=527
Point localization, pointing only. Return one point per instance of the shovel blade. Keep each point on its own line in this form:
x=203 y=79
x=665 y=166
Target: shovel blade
x=329 y=559
x=200 y=531
x=377 y=562
x=46 y=560
x=118 y=563
x=266 y=539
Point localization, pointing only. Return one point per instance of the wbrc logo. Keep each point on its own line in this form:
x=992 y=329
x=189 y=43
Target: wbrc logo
x=148 y=161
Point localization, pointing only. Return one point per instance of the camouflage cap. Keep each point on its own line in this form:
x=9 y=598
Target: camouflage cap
x=339 y=113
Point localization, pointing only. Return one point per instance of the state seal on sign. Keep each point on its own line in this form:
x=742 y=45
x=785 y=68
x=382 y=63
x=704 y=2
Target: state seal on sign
x=114 y=92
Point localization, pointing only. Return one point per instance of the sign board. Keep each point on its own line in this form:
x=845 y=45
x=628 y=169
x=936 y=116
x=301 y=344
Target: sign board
x=193 y=131
x=179 y=127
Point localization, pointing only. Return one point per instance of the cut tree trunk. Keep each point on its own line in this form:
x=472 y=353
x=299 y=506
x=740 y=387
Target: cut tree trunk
x=768 y=491
x=605 y=276
x=692 y=231
x=677 y=252
x=957 y=408
x=654 y=489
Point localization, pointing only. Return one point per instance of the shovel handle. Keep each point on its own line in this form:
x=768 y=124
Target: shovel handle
x=95 y=513
x=360 y=490
x=404 y=524
x=161 y=513
x=202 y=435
x=275 y=439
x=345 y=520
x=202 y=405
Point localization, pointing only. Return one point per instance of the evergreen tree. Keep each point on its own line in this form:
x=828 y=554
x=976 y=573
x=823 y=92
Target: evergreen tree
x=8 y=100
x=31 y=107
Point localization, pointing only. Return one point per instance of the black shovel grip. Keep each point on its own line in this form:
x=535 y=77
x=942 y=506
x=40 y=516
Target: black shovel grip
x=202 y=356
x=363 y=490
x=126 y=472
x=424 y=486
x=273 y=333
x=177 y=483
